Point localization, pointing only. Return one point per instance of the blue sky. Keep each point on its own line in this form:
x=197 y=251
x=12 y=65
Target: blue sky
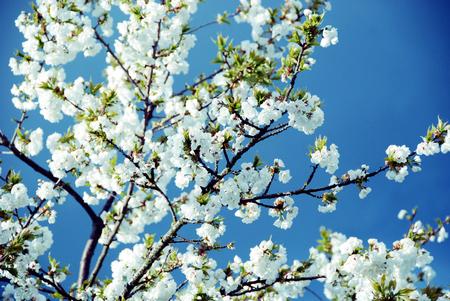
x=384 y=83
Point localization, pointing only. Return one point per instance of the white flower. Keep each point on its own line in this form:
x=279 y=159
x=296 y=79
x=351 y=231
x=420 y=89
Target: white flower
x=286 y=214
x=328 y=208
x=52 y=142
x=417 y=161
x=182 y=180
x=397 y=175
x=248 y=213
x=327 y=158
x=307 y=12
x=445 y=147
x=89 y=199
x=305 y=114
x=401 y=214
x=428 y=274
x=329 y=37
x=278 y=163
x=17 y=198
x=265 y=260
x=427 y=148
x=46 y=191
x=364 y=192
x=442 y=235
x=210 y=232
x=34 y=144
x=398 y=154
x=284 y=176
x=350 y=245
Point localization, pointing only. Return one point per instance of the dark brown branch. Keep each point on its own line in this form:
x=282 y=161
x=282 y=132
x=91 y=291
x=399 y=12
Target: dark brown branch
x=53 y=284
x=154 y=254
x=311 y=176
x=203 y=79
x=39 y=169
x=313 y=190
x=246 y=122
x=152 y=68
x=262 y=285
x=33 y=213
x=270 y=183
x=19 y=126
x=88 y=252
x=119 y=62
x=107 y=245
x=97 y=223
x=109 y=202
x=296 y=72
x=172 y=209
x=210 y=23
x=197 y=157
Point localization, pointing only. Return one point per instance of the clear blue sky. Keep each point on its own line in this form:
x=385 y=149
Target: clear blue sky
x=384 y=83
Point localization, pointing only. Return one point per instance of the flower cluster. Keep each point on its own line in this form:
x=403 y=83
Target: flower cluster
x=353 y=271
x=437 y=140
x=285 y=211
x=21 y=244
x=325 y=157
x=397 y=160
x=30 y=144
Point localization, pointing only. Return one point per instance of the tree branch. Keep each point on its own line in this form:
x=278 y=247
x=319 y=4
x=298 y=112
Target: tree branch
x=313 y=190
x=153 y=255
x=107 y=245
x=36 y=167
x=239 y=291
x=88 y=252
x=53 y=284
x=202 y=80
x=119 y=62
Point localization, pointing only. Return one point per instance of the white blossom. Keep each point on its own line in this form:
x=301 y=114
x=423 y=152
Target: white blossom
x=327 y=158
x=329 y=37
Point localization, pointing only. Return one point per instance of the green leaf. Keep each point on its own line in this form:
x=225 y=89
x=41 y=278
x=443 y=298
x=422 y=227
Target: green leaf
x=58 y=296
x=257 y=162
x=149 y=240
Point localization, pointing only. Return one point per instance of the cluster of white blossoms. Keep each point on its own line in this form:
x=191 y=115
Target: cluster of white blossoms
x=359 y=176
x=349 y=270
x=397 y=157
x=60 y=35
x=256 y=15
x=138 y=153
x=265 y=260
x=437 y=140
x=266 y=265
x=423 y=233
x=14 y=198
x=211 y=231
x=327 y=158
x=354 y=272
x=305 y=114
x=285 y=211
x=30 y=144
x=21 y=243
x=48 y=191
